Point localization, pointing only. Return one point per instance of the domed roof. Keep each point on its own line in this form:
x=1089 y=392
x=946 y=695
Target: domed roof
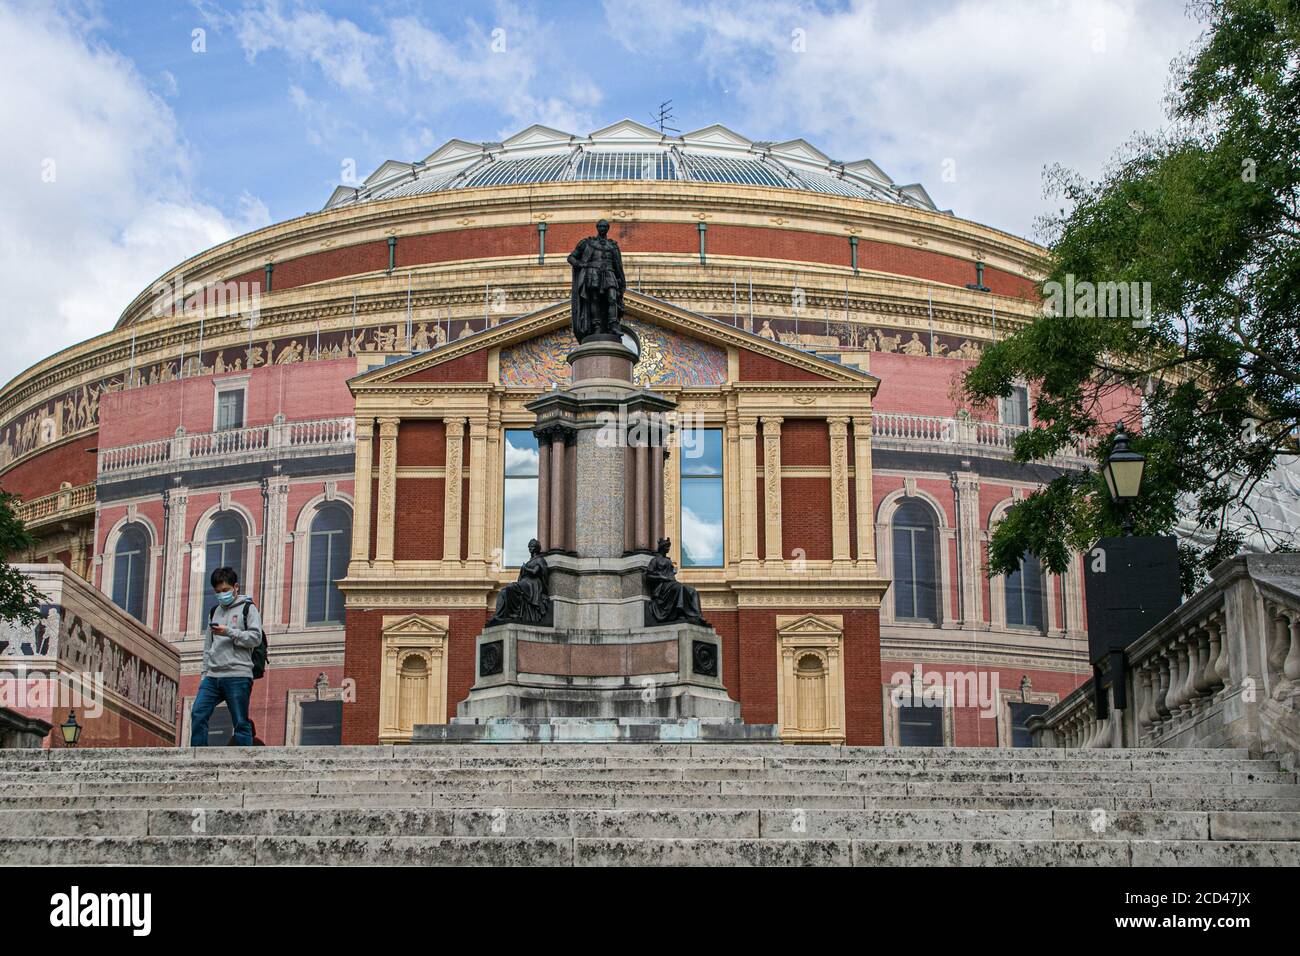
x=630 y=151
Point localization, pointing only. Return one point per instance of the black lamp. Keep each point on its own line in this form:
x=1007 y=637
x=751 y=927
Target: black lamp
x=71 y=729
x=1123 y=471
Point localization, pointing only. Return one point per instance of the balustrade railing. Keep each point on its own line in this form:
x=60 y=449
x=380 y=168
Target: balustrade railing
x=250 y=443
x=1221 y=670
x=63 y=503
x=996 y=436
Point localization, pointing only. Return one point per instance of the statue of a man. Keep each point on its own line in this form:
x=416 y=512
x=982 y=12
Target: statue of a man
x=598 y=285
x=670 y=600
x=525 y=601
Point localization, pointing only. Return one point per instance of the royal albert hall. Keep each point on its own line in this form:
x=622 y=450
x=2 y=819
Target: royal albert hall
x=334 y=406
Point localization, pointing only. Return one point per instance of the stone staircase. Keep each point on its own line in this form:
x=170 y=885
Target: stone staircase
x=568 y=804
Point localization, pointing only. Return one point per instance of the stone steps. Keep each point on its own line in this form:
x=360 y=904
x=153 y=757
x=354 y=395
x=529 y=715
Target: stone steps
x=466 y=851
x=653 y=805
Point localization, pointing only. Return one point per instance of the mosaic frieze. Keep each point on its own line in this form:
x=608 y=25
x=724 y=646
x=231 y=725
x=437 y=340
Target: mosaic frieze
x=666 y=359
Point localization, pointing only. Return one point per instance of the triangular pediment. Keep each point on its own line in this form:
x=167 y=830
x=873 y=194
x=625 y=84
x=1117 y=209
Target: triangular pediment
x=537 y=135
x=454 y=150
x=387 y=170
x=800 y=150
x=627 y=131
x=716 y=135
x=414 y=625
x=706 y=334
x=809 y=624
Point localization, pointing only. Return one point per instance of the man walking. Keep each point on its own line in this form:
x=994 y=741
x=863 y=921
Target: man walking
x=234 y=630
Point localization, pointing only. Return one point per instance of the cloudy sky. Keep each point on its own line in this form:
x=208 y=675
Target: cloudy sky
x=141 y=132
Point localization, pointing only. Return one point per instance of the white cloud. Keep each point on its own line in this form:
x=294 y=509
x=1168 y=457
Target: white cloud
x=701 y=537
x=992 y=90
x=97 y=195
x=342 y=50
x=500 y=65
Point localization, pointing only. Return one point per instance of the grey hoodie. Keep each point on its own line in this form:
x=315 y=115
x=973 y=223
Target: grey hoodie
x=231 y=654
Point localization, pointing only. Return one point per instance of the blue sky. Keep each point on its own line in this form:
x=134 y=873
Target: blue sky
x=130 y=150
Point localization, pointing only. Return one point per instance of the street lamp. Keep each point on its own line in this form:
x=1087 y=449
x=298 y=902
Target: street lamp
x=1123 y=471
x=71 y=729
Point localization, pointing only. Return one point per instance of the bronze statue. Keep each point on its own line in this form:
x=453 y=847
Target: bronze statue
x=598 y=285
x=525 y=601
x=670 y=600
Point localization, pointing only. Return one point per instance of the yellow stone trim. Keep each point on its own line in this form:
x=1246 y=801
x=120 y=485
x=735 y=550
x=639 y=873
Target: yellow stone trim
x=810 y=709
x=403 y=636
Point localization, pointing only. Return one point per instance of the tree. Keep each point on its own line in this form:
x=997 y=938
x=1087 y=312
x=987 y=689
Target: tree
x=19 y=598
x=1207 y=211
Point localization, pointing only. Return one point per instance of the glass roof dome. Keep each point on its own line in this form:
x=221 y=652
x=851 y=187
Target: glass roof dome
x=630 y=151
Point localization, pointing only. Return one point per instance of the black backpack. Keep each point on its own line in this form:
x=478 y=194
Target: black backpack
x=260 y=651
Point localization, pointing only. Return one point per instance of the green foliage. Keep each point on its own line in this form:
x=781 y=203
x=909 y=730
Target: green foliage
x=19 y=598
x=1208 y=212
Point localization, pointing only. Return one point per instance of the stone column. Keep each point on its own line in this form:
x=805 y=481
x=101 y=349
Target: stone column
x=452 y=484
x=274 y=538
x=387 y=489
x=642 y=496
x=361 y=491
x=478 y=479
x=544 y=491
x=839 y=428
x=772 y=488
x=177 y=559
x=559 y=492
x=862 y=487
x=571 y=500
x=629 y=497
x=672 y=507
x=732 y=498
x=748 y=471
x=656 y=493
x=966 y=491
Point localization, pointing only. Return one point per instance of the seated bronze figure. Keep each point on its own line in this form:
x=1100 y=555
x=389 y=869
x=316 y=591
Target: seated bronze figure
x=525 y=601
x=670 y=600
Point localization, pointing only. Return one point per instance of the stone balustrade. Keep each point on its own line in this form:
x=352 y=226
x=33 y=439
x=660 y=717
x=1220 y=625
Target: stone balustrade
x=902 y=429
x=185 y=450
x=1223 y=670
x=68 y=502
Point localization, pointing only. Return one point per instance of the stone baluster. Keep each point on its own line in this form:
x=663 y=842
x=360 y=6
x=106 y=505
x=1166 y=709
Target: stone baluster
x=1205 y=672
x=1278 y=637
x=1222 y=666
x=1188 y=640
x=1142 y=712
x=1213 y=678
x=1165 y=712
x=1291 y=663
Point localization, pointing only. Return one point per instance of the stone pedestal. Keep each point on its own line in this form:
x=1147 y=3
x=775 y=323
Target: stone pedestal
x=596 y=672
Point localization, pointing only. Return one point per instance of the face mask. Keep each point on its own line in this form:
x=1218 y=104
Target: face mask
x=226 y=598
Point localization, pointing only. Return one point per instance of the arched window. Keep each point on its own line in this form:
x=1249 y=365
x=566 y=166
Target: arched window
x=224 y=548
x=1025 y=594
x=331 y=543
x=131 y=570
x=916 y=574
x=811 y=691
x=413 y=693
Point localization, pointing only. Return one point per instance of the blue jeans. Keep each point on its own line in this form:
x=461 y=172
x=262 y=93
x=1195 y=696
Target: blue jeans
x=235 y=691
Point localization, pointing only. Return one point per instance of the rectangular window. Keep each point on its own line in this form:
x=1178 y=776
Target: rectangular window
x=1014 y=408
x=1025 y=594
x=1020 y=714
x=519 y=524
x=920 y=726
x=701 y=494
x=230 y=409
x=321 y=723
x=329 y=562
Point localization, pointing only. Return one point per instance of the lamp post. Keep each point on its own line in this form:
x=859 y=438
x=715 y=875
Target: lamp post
x=1123 y=471
x=71 y=729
